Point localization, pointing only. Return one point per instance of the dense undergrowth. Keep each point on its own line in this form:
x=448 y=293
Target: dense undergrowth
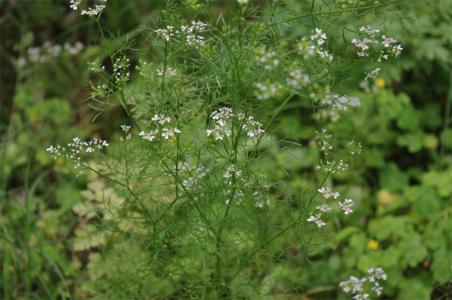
x=226 y=150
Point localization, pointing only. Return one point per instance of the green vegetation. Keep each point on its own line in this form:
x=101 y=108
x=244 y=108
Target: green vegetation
x=205 y=149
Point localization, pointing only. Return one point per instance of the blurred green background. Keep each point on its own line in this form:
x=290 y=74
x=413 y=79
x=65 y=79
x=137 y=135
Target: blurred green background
x=402 y=183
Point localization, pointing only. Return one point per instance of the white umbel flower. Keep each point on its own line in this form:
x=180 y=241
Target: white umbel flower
x=317 y=220
x=327 y=193
x=346 y=206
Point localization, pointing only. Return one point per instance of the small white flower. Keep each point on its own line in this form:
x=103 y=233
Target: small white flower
x=150 y=136
x=169 y=132
x=319 y=37
x=252 y=127
x=125 y=128
x=362 y=45
x=363 y=296
x=265 y=91
x=323 y=208
x=191 y=34
x=377 y=289
x=73 y=4
x=317 y=220
x=369 y=30
x=267 y=58
x=73 y=150
x=376 y=274
x=161 y=119
x=296 y=79
x=327 y=193
x=353 y=285
x=346 y=206
x=90 y=11
x=232 y=171
x=387 y=41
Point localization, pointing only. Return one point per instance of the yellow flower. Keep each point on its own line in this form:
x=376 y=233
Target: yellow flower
x=380 y=82
x=431 y=142
x=33 y=116
x=60 y=161
x=372 y=245
x=385 y=197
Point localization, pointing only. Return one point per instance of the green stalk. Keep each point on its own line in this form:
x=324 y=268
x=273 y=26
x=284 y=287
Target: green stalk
x=277 y=235
x=333 y=12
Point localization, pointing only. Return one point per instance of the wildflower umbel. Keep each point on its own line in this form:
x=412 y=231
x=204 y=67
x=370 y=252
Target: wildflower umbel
x=296 y=79
x=223 y=119
x=313 y=46
x=327 y=193
x=390 y=47
x=126 y=130
x=332 y=104
x=49 y=51
x=323 y=139
x=90 y=10
x=346 y=206
x=192 y=175
x=190 y=34
x=267 y=58
x=317 y=220
x=161 y=128
x=266 y=91
x=356 y=286
x=73 y=150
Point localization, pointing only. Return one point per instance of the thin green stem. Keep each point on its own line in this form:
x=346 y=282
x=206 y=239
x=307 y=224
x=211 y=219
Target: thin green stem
x=277 y=235
x=332 y=12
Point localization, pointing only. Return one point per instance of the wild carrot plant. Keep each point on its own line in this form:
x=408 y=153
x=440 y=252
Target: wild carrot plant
x=182 y=181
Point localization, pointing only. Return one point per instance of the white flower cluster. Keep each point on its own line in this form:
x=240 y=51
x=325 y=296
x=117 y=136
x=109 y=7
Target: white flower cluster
x=355 y=285
x=95 y=66
x=223 y=119
x=73 y=151
x=265 y=91
x=327 y=193
x=231 y=172
x=267 y=58
x=391 y=47
x=190 y=34
x=160 y=121
x=252 y=127
x=346 y=206
x=127 y=134
x=364 y=44
x=326 y=164
x=49 y=51
x=192 y=175
x=119 y=77
x=323 y=139
x=233 y=179
x=333 y=166
x=121 y=73
x=296 y=79
x=333 y=103
x=313 y=46
x=168 y=72
x=89 y=11
x=353 y=147
x=260 y=200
